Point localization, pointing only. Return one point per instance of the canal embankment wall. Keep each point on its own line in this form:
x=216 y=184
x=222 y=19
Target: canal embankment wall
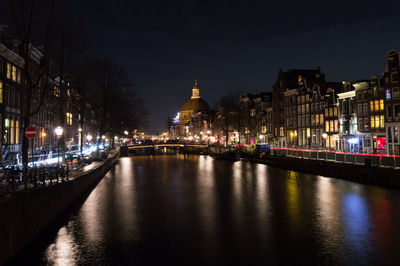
x=26 y=213
x=371 y=175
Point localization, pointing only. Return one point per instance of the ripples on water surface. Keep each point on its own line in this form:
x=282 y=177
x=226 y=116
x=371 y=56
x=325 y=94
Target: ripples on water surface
x=196 y=210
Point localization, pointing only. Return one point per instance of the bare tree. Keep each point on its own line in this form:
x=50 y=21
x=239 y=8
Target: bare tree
x=33 y=20
x=68 y=46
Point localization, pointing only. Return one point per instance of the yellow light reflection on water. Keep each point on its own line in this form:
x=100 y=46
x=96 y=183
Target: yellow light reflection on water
x=292 y=185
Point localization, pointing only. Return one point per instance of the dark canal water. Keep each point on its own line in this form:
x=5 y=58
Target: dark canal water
x=194 y=210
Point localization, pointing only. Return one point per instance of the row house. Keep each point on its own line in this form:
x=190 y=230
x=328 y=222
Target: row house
x=247 y=113
x=226 y=128
x=391 y=83
x=201 y=126
x=290 y=113
x=11 y=65
x=362 y=116
x=370 y=115
x=269 y=123
x=297 y=79
x=261 y=101
x=252 y=116
x=51 y=105
x=347 y=118
x=331 y=134
x=305 y=104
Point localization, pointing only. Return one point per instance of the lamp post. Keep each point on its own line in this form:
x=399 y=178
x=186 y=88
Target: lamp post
x=126 y=135
x=80 y=140
x=59 y=131
x=89 y=137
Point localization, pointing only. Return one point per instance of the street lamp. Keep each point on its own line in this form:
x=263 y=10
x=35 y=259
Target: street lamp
x=59 y=131
x=324 y=135
x=89 y=137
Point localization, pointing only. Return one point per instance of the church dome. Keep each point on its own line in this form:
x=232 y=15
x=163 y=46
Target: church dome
x=195 y=104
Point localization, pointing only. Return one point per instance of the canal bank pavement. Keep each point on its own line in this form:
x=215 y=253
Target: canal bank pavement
x=8 y=190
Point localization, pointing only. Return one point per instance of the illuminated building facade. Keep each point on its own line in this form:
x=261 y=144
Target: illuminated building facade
x=371 y=114
x=11 y=65
x=392 y=99
x=194 y=105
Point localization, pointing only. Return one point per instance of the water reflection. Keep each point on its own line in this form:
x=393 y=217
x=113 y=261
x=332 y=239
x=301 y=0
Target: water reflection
x=190 y=209
x=64 y=250
x=293 y=196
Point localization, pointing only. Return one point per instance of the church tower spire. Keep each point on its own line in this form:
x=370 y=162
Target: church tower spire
x=195 y=91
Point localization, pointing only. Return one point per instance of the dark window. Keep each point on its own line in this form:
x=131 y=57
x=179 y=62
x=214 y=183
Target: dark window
x=395 y=77
x=397 y=110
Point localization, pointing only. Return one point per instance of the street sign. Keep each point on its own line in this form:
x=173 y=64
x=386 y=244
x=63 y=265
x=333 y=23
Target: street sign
x=30 y=132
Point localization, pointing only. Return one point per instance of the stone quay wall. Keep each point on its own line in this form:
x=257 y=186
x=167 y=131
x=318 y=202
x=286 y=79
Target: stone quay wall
x=26 y=213
x=379 y=176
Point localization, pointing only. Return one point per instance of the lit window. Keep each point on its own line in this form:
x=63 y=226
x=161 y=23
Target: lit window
x=8 y=70
x=19 y=76
x=331 y=126
x=14 y=73
x=376 y=105
x=382 y=121
x=56 y=91
x=12 y=131
x=371 y=103
x=327 y=126
x=372 y=122
x=377 y=124
x=335 y=110
x=69 y=118
x=382 y=105
x=321 y=119
x=16 y=132
x=263 y=129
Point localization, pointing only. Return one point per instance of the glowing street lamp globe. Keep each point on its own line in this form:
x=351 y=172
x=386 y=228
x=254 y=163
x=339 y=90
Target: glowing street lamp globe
x=89 y=137
x=59 y=131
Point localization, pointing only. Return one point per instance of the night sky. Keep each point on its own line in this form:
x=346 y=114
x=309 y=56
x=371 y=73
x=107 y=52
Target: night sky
x=235 y=45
